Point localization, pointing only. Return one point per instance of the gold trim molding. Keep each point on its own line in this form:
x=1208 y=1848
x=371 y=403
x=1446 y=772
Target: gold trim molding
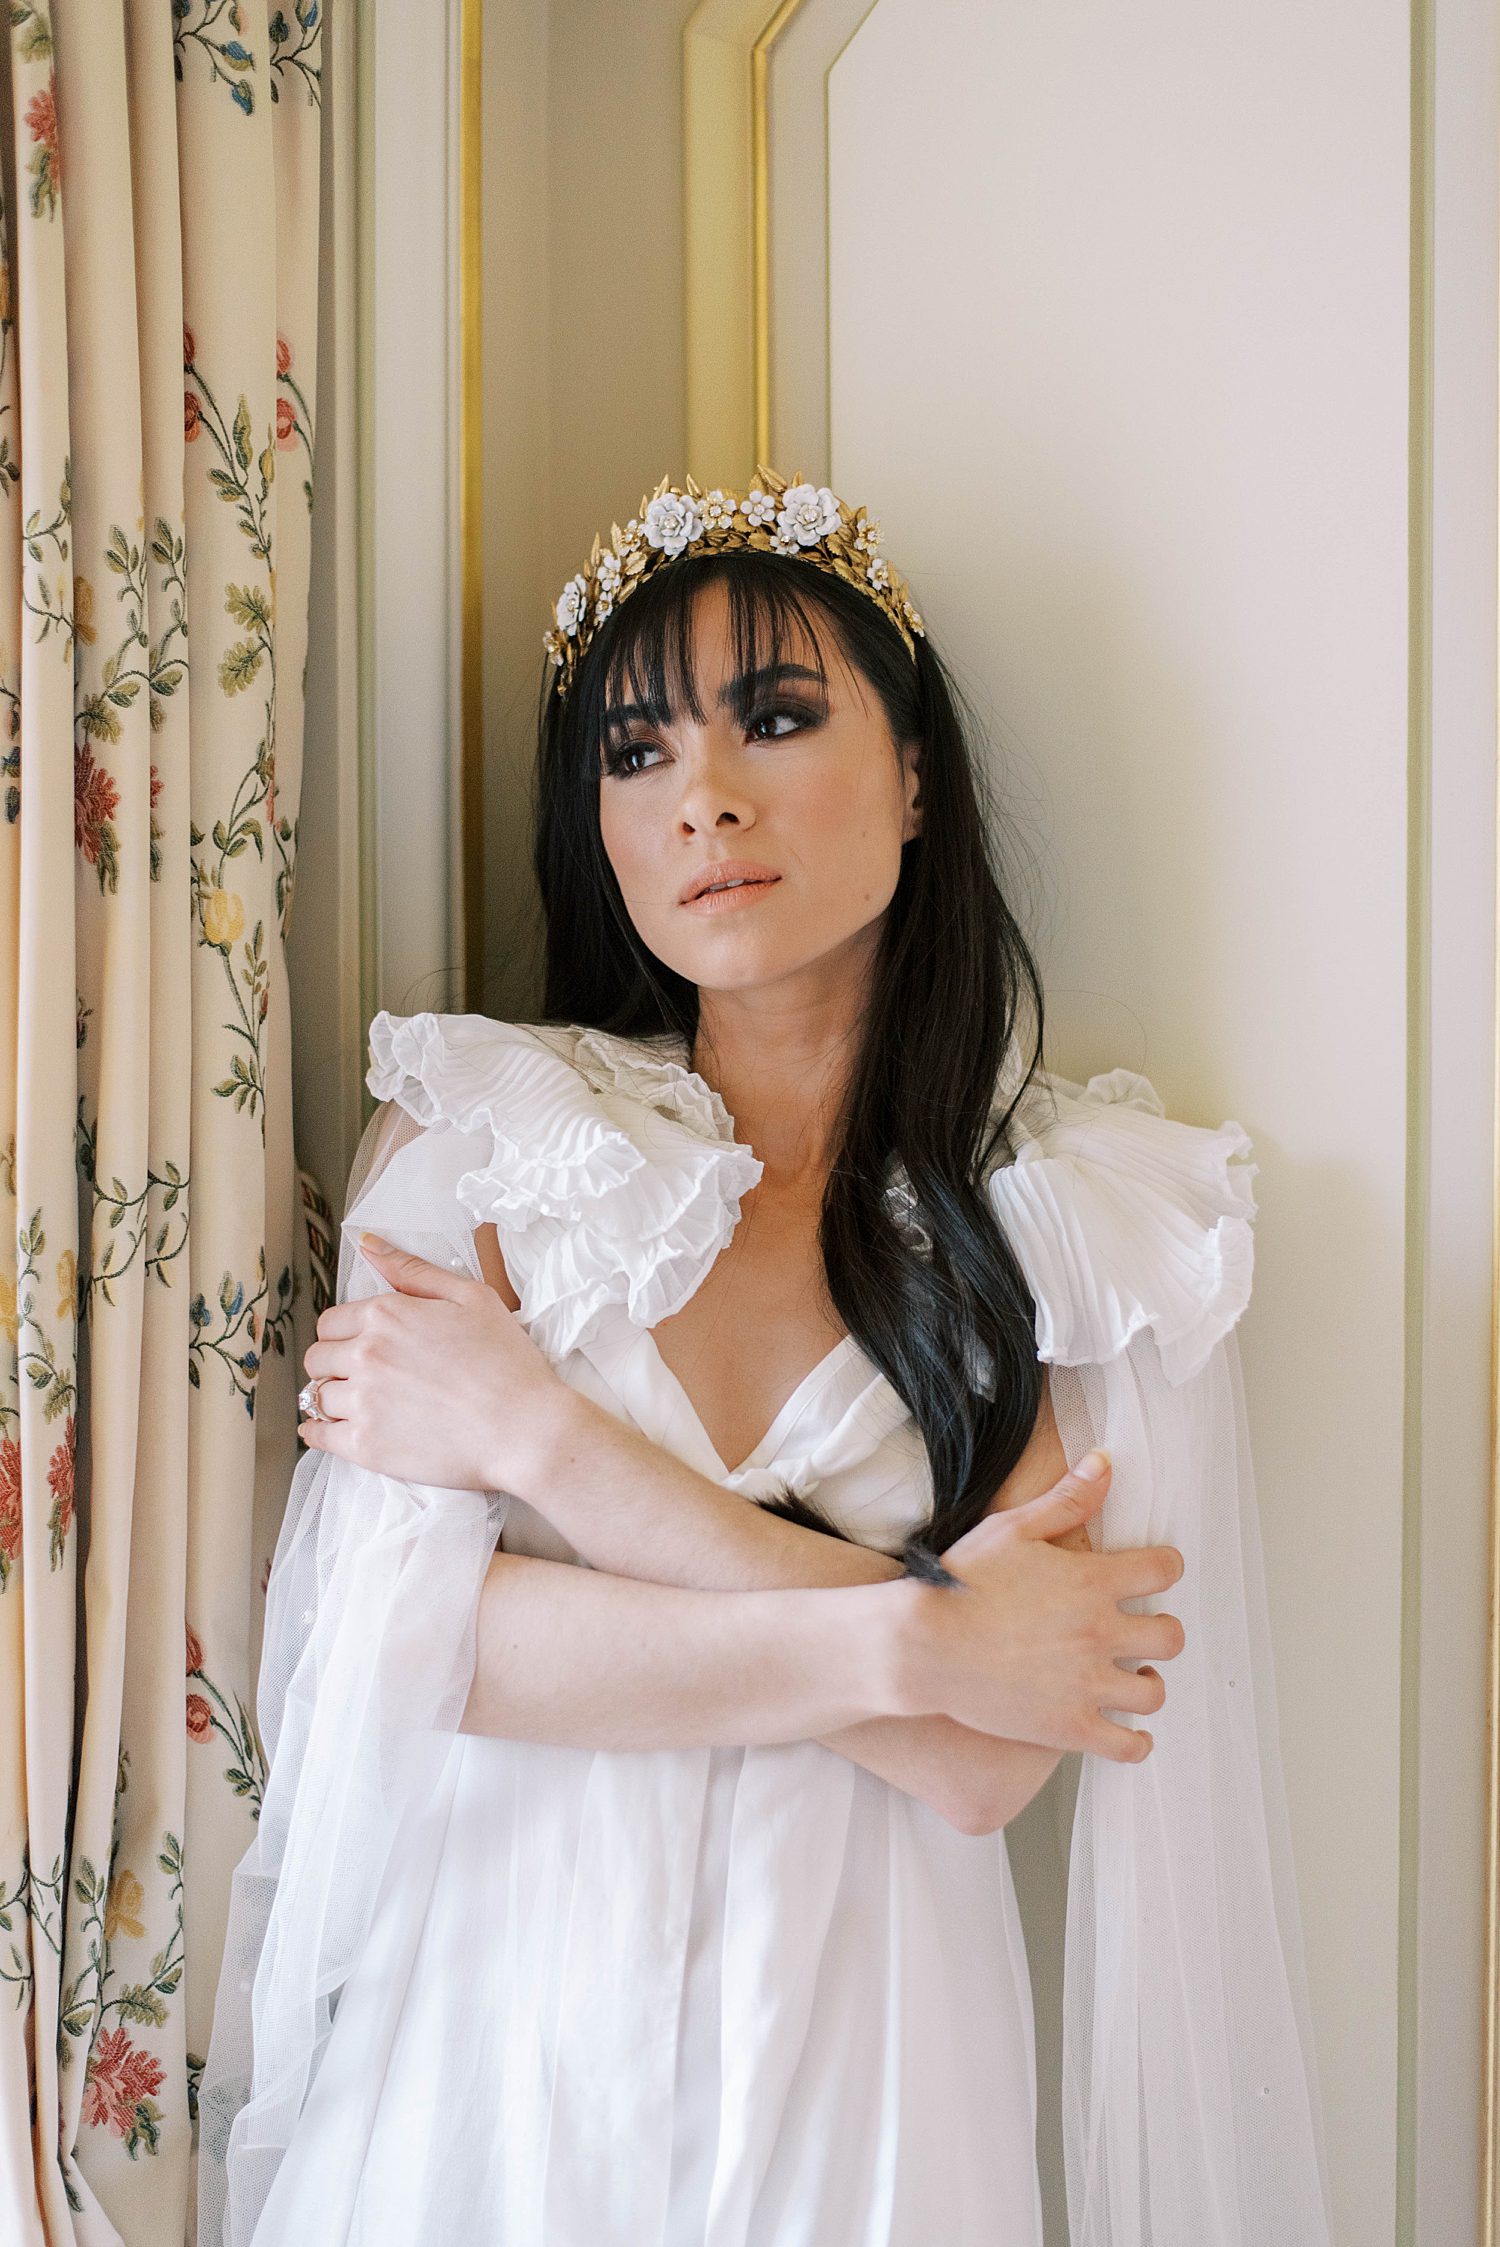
x=471 y=499
x=726 y=109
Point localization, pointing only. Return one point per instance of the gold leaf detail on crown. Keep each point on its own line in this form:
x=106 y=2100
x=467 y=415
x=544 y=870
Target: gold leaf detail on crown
x=775 y=516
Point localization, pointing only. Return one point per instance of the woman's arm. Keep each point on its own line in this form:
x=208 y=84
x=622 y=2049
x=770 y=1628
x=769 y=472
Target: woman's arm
x=581 y=1659
x=1026 y=1641
x=437 y=1382
x=631 y=1508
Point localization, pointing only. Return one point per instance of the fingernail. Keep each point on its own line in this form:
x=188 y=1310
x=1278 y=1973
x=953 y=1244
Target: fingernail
x=372 y=1240
x=1091 y=1466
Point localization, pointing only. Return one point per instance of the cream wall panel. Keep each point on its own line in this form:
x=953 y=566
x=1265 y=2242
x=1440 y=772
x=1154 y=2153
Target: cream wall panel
x=798 y=104
x=1448 y=1605
x=1119 y=355
x=410 y=381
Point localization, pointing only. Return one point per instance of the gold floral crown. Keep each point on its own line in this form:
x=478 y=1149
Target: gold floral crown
x=773 y=517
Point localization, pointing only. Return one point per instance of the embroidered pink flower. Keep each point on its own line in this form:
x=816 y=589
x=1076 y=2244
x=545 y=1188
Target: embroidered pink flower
x=200 y=1717
x=119 y=2077
x=10 y=1498
x=156 y=785
x=194 y=1650
x=191 y=415
x=60 y=1481
x=286 y=423
x=283 y=356
x=189 y=347
x=96 y=799
x=41 y=117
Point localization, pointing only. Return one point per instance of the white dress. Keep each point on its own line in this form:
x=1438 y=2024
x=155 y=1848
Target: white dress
x=489 y=1991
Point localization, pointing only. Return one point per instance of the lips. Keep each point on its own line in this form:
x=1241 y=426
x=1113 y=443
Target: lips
x=719 y=872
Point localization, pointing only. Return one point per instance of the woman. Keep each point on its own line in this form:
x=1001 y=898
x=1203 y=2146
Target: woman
x=591 y=1907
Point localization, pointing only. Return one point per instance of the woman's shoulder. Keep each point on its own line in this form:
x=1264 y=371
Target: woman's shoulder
x=609 y=1170
x=458 y=1069
x=1125 y=1218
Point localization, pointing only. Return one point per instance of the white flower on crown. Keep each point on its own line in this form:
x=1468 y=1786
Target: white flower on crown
x=570 y=605
x=782 y=542
x=718 y=510
x=878 y=570
x=867 y=537
x=673 y=521
x=760 y=509
x=808 y=512
x=608 y=572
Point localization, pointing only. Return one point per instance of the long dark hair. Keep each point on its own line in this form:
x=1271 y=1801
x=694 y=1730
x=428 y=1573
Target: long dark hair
x=954 y=984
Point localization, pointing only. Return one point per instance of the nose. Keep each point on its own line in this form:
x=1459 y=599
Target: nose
x=712 y=796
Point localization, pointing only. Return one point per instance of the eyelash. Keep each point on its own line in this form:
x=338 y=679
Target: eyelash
x=615 y=756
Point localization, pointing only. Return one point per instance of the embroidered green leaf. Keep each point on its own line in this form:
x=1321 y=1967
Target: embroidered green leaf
x=34 y=43
x=247 y=604
x=138 y=2003
x=243 y=449
x=240 y=666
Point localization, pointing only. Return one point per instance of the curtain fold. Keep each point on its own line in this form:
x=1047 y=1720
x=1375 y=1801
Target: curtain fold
x=159 y=241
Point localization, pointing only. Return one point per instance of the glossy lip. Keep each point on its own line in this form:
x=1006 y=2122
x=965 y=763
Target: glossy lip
x=726 y=870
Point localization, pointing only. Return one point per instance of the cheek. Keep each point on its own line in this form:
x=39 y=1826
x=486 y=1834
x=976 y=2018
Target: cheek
x=850 y=818
x=626 y=840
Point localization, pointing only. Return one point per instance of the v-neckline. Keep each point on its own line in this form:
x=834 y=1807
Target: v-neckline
x=784 y=1411
x=679 y=1051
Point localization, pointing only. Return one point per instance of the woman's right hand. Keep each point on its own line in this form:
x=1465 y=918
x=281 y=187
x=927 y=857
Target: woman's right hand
x=1028 y=1645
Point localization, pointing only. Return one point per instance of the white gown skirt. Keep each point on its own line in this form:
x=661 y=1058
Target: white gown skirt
x=728 y=1997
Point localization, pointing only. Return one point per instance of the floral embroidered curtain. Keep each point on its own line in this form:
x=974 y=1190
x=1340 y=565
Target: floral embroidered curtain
x=159 y=199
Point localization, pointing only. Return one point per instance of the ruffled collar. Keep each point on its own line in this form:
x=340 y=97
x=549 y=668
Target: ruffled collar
x=612 y=1172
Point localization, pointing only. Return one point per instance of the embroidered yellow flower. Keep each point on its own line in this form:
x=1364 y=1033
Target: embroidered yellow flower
x=223 y=918
x=122 y=1908
x=67 y=1283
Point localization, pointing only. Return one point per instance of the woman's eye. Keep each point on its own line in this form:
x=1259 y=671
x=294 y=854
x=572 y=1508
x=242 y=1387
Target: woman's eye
x=798 y=717
x=618 y=758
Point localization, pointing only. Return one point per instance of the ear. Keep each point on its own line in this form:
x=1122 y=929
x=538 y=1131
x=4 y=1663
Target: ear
x=911 y=760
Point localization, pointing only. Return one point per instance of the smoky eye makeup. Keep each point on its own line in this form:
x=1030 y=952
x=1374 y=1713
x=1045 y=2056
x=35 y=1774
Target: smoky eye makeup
x=617 y=754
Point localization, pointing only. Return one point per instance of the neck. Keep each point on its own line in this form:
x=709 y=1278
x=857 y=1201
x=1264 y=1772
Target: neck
x=780 y=1057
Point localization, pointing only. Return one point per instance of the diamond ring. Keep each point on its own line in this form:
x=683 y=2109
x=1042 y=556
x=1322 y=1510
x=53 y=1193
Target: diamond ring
x=307 y=1399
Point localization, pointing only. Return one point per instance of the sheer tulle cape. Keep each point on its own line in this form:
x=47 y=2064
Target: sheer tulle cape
x=1190 y=2100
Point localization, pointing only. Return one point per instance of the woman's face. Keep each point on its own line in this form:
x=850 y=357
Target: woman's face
x=798 y=788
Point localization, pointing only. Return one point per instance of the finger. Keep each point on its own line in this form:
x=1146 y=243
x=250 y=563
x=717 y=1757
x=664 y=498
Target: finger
x=333 y=1396
x=1160 y=1636
x=413 y=1275
x=1134 y=1571
x=1141 y=1691
x=333 y=1436
x=1078 y=1495
x=325 y=1360
x=341 y=1321
x=1120 y=1743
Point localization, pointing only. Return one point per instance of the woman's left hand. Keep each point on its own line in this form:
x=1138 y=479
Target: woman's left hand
x=436 y=1382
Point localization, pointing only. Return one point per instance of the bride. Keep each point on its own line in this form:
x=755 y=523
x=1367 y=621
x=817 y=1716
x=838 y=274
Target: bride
x=690 y=1572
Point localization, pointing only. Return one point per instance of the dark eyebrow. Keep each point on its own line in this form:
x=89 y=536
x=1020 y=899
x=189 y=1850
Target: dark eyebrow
x=737 y=696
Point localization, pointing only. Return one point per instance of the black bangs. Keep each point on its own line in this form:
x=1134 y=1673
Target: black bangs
x=643 y=655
